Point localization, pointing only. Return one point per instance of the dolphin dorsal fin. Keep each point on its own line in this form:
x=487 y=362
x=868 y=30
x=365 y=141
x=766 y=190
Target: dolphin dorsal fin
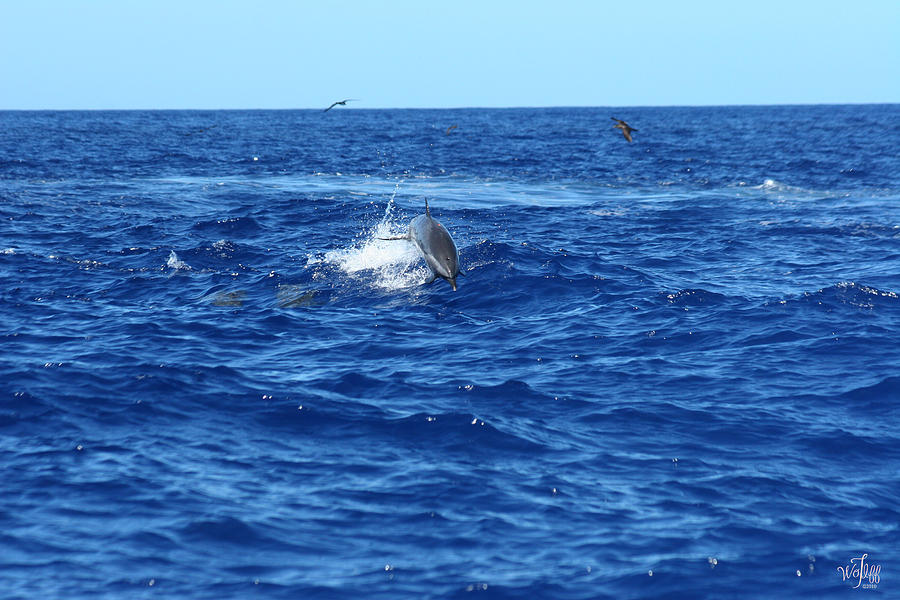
x=427 y=212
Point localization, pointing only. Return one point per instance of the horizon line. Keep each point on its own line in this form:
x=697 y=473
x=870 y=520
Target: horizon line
x=362 y=108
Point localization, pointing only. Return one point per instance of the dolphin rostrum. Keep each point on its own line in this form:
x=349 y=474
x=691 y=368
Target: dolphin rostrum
x=435 y=245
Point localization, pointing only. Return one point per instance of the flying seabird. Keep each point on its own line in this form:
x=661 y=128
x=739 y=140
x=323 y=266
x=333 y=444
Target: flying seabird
x=341 y=102
x=449 y=129
x=625 y=127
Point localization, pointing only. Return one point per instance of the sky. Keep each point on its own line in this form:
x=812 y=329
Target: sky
x=224 y=54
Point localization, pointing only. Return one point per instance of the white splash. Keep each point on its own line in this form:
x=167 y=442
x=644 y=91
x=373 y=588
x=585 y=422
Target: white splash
x=176 y=263
x=773 y=185
x=385 y=264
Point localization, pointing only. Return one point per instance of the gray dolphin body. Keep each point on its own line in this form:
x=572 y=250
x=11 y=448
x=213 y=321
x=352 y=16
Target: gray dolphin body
x=436 y=246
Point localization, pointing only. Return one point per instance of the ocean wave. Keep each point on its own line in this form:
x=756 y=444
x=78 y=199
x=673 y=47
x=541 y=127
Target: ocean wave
x=462 y=432
x=226 y=530
x=694 y=297
x=882 y=395
x=773 y=336
x=879 y=398
x=232 y=226
x=850 y=293
x=822 y=229
x=840 y=442
x=447 y=431
x=782 y=191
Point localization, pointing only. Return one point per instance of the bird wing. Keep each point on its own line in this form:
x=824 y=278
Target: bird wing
x=341 y=102
x=627 y=134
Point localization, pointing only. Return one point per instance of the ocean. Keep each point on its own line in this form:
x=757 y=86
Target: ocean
x=670 y=370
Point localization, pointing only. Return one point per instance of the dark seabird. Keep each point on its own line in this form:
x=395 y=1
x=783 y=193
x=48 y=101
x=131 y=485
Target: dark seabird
x=449 y=129
x=341 y=102
x=625 y=127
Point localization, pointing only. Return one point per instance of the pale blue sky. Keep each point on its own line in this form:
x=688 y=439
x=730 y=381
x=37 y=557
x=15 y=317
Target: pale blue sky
x=68 y=54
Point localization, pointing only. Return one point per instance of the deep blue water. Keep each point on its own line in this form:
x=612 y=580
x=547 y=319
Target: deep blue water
x=671 y=369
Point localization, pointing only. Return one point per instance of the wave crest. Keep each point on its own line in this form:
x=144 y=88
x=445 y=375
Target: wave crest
x=853 y=294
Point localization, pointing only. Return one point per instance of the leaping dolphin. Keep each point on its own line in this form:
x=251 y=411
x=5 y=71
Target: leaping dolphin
x=435 y=245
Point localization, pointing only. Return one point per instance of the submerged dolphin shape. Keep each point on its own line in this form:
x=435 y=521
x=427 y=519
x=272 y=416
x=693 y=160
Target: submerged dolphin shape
x=435 y=245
